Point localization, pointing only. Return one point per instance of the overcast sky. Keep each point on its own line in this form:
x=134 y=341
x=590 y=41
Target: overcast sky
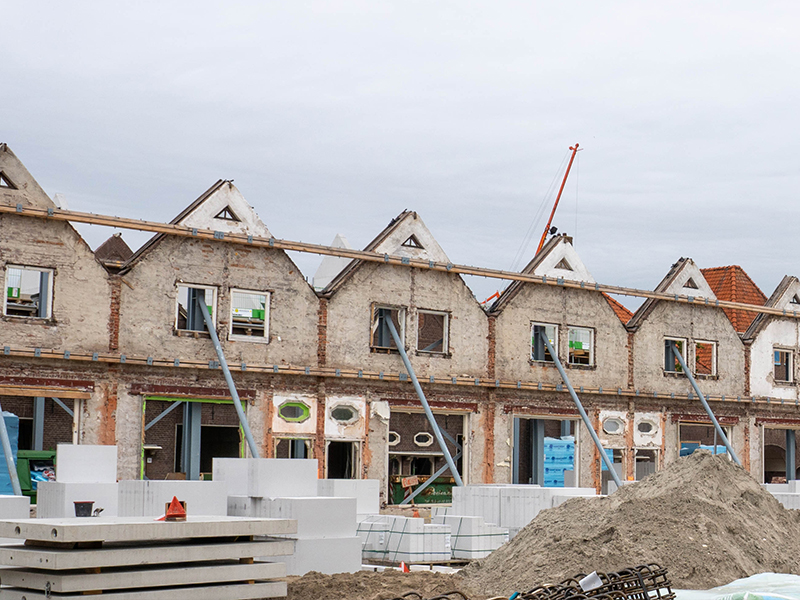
x=332 y=117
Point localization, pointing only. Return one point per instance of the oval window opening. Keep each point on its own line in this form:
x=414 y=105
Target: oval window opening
x=613 y=425
x=344 y=413
x=294 y=412
x=423 y=438
x=646 y=427
x=394 y=438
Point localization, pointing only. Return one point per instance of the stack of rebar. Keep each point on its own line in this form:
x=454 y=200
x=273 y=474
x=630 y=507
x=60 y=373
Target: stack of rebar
x=644 y=582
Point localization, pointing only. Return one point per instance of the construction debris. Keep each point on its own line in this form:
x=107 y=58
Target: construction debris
x=703 y=518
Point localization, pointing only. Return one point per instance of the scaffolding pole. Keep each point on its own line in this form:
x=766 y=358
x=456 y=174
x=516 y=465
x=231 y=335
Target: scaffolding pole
x=237 y=404
x=718 y=430
x=584 y=416
x=428 y=413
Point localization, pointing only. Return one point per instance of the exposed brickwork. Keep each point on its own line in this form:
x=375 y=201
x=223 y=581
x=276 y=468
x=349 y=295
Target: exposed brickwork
x=319 y=440
x=630 y=360
x=487 y=424
x=747 y=357
x=492 y=354
x=113 y=315
x=322 y=333
x=108 y=415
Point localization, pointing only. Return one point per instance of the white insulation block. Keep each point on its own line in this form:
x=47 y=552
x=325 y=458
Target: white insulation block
x=324 y=555
x=83 y=463
x=791 y=501
x=365 y=491
x=267 y=477
x=147 y=498
x=316 y=517
x=56 y=499
x=15 y=507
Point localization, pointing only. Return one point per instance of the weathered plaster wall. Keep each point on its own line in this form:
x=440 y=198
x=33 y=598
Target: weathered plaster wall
x=563 y=307
x=349 y=321
x=778 y=333
x=81 y=289
x=670 y=319
x=148 y=303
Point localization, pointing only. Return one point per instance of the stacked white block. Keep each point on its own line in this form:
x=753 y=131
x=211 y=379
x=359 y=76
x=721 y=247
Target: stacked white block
x=148 y=498
x=15 y=507
x=402 y=539
x=365 y=491
x=326 y=530
x=138 y=559
x=267 y=477
x=791 y=501
x=472 y=537
x=83 y=463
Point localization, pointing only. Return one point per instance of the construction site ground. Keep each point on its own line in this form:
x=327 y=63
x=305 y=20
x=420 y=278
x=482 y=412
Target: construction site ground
x=703 y=517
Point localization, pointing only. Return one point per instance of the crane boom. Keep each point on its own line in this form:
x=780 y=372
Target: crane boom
x=555 y=206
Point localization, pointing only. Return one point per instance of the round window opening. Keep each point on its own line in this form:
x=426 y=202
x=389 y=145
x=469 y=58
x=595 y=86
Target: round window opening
x=344 y=413
x=394 y=438
x=423 y=438
x=613 y=425
x=646 y=427
x=294 y=412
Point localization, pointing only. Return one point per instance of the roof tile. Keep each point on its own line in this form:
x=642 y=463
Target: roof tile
x=734 y=285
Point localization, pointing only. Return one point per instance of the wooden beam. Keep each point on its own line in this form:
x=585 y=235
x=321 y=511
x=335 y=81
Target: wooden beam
x=46 y=392
x=57 y=214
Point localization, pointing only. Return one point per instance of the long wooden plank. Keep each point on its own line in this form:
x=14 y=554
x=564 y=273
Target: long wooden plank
x=129 y=529
x=208 y=234
x=46 y=392
x=256 y=591
x=58 y=559
x=197 y=574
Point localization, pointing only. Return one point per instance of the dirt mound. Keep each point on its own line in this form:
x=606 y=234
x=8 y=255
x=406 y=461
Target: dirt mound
x=374 y=586
x=704 y=518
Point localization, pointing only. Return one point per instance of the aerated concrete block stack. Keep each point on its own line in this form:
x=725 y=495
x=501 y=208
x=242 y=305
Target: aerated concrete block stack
x=267 y=477
x=84 y=473
x=787 y=493
x=365 y=491
x=472 y=537
x=394 y=539
x=148 y=498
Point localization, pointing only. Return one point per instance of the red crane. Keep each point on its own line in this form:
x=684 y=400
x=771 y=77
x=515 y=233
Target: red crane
x=555 y=206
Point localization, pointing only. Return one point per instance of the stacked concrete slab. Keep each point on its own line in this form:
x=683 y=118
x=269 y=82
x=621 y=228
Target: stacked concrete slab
x=472 y=537
x=326 y=539
x=394 y=539
x=787 y=493
x=365 y=491
x=84 y=473
x=143 y=559
x=149 y=498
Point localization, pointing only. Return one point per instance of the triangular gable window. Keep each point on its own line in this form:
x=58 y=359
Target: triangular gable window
x=690 y=284
x=5 y=182
x=795 y=300
x=413 y=242
x=563 y=264
x=227 y=214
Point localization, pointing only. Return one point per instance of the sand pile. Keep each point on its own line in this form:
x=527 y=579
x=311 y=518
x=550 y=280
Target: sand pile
x=375 y=586
x=705 y=519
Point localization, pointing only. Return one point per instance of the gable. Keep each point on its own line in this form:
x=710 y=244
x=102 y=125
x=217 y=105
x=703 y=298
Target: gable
x=224 y=209
x=561 y=260
x=689 y=281
x=410 y=237
x=17 y=185
x=331 y=266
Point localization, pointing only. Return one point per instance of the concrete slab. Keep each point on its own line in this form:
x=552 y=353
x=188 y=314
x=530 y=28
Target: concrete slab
x=15 y=507
x=147 y=498
x=267 y=477
x=324 y=555
x=124 y=529
x=83 y=463
x=317 y=517
x=109 y=555
x=239 y=591
x=201 y=573
x=56 y=499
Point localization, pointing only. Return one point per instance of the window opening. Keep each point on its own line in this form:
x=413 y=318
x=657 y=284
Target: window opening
x=421 y=465
x=646 y=427
x=699 y=436
x=690 y=284
x=432 y=331
x=227 y=214
x=5 y=182
x=394 y=438
x=539 y=350
x=563 y=264
x=381 y=336
x=617 y=457
x=413 y=242
x=542 y=454
x=188 y=317
x=782 y=365
x=705 y=358
x=580 y=346
x=646 y=463
x=613 y=426
x=294 y=412
x=28 y=292
x=342 y=460
x=423 y=439
x=249 y=314
x=216 y=441
x=795 y=300
x=344 y=413
x=293 y=448
x=671 y=362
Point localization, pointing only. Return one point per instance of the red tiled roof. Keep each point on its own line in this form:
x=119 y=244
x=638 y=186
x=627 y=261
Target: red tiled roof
x=734 y=285
x=622 y=313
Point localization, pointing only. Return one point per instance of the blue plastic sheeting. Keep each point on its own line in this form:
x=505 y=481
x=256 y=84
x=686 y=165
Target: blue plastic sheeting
x=764 y=586
x=12 y=425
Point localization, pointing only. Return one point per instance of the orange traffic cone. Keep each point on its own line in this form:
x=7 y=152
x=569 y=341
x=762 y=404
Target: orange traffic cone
x=175 y=512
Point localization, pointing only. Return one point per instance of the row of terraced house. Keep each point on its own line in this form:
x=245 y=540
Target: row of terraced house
x=108 y=347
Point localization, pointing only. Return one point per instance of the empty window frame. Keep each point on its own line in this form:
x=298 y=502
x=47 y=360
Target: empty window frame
x=581 y=346
x=187 y=317
x=538 y=347
x=782 y=369
x=671 y=363
x=380 y=337
x=432 y=331
x=29 y=292
x=705 y=358
x=292 y=448
x=249 y=316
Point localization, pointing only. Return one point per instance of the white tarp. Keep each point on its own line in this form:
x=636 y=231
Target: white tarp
x=764 y=586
